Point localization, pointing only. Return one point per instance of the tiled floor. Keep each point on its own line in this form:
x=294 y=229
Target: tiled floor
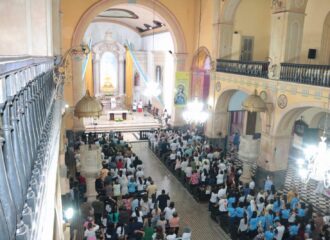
x=192 y=213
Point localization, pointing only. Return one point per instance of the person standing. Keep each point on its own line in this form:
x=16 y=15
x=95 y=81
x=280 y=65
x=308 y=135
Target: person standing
x=162 y=200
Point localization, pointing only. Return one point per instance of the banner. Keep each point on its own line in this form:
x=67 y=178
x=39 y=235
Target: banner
x=182 y=88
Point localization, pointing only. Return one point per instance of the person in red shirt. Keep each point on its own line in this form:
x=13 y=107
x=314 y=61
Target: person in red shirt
x=120 y=164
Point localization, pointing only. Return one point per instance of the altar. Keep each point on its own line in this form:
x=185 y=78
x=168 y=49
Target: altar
x=117 y=115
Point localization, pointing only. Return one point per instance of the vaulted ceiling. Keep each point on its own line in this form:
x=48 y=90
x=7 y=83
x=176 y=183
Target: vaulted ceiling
x=140 y=19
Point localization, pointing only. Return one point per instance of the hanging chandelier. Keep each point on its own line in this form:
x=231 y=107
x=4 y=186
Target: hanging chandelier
x=316 y=163
x=195 y=113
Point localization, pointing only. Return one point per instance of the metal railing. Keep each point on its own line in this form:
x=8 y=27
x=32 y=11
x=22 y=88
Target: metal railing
x=252 y=68
x=27 y=110
x=318 y=75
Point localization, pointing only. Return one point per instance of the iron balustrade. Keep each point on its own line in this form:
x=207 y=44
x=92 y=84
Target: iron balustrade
x=251 y=68
x=318 y=75
x=27 y=115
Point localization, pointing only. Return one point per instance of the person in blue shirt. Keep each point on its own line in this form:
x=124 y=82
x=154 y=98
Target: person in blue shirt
x=231 y=200
x=131 y=186
x=269 y=219
x=285 y=214
x=232 y=217
x=301 y=211
x=268 y=184
x=293 y=230
x=294 y=202
x=277 y=205
x=262 y=221
x=269 y=234
x=240 y=211
x=253 y=225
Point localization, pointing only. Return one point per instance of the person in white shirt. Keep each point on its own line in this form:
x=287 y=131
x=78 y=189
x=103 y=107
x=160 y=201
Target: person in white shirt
x=279 y=230
x=169 y=211
x=186 y=235
x=222 y=192
x=171 y=235
x=220 y=177
x=213 y=198
x=252 y=184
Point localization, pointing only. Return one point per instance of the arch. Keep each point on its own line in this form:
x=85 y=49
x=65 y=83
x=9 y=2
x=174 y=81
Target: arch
x=325 y=42
x=173 y=24
x=315 y=122
x=222 y=104
x=287 y=118
x=226 y=94
x=200 y=57
x=229 y=11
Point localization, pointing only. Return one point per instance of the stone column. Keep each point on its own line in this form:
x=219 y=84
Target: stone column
x=78 y=89
x=216 y=30
x=287 y=26
x=226 y=37
x=249 y=149
x=91 y=163
x=180 y=61
x=273 y=158
x=96 y=76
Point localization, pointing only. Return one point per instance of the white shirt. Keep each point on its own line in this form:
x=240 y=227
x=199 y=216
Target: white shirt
x=169 y=213
x=252 y=185
x=171 y=237
x=214 y=197
x=188 y=171
x=221 y=192
x=220 y=178
x=120 y=231
x=280 y=232
x=186 y=236
x=223 y=205
x=243 y=226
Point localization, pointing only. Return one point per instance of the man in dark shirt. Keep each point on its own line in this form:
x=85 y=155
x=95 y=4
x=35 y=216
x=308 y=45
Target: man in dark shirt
x=162 y=200
x=135 y=230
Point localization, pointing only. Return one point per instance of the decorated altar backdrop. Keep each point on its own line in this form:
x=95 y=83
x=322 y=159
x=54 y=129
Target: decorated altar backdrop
x=109 y=73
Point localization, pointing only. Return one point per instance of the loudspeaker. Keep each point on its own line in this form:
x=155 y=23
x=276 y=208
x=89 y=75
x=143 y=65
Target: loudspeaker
x=311 y=53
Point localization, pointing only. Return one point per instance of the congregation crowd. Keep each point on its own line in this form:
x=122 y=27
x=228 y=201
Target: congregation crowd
x=241 y=209
x=128 y=204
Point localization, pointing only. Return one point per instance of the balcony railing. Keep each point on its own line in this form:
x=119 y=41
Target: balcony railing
x=318 y=75
x=255 y=69
x=29 y=116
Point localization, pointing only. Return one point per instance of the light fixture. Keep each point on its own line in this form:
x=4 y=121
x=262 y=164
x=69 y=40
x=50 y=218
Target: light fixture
x=68 y=213
x=254 y=103
x=316 y=162
x=194 y=113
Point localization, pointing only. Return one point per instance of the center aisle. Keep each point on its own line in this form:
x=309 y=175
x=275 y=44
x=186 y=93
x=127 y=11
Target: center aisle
x=191 y=213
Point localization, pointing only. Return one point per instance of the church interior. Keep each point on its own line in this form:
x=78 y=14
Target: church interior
x=164 y=119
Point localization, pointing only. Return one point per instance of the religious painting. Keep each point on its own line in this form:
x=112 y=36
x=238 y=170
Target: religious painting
x=182 y=83
x=136 y=79
x=109 y=73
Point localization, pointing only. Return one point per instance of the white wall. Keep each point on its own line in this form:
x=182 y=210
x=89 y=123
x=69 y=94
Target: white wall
x=120 y=34
x=158 y=42
x=26 y=27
